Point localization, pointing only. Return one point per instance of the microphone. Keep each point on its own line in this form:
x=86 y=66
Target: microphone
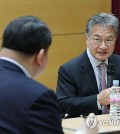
x=110 y=74
x=66 y=114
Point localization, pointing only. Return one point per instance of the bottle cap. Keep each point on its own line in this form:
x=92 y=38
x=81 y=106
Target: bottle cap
x=115 y=82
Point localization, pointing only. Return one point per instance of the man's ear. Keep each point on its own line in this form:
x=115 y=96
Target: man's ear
x=86 y=36
x=40 y=56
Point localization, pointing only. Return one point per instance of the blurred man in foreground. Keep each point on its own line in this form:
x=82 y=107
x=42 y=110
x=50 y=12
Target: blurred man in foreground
x=26 y=106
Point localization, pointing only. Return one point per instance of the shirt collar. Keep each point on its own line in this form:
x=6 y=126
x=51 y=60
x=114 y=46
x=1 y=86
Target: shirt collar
x=93 y=60
x=18 y=64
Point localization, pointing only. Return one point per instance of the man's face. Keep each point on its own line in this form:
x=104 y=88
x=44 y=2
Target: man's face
x=101 y=42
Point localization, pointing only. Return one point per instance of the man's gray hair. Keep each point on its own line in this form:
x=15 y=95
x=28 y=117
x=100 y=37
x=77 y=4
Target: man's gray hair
x=103 y=19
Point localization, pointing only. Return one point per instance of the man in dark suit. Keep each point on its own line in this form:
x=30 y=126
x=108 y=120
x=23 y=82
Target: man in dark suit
x=26 y=106
x=78 y=87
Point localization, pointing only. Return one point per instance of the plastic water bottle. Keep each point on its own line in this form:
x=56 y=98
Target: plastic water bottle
x=115 y=101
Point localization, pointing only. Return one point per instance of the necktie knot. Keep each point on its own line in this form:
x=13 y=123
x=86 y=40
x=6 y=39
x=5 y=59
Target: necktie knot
x=102 y=66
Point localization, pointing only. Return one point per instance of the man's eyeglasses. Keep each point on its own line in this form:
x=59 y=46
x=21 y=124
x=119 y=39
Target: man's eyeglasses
x=98 y=41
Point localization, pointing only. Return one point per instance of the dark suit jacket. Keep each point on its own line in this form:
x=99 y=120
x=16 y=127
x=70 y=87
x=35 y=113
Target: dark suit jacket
x=26 y=106
x=77 y=87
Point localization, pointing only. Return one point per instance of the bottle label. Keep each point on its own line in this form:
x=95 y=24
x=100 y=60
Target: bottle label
x=115 y=103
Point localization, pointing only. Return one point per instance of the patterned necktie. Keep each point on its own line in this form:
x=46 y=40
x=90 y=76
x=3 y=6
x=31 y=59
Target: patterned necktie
x=102 y=76
x=103 y=84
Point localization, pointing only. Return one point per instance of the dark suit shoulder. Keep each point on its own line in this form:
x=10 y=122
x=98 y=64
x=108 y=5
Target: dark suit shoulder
x=26 y=87
x=80 y=61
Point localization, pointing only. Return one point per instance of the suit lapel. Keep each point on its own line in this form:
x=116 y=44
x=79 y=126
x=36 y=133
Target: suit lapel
x=88 y=74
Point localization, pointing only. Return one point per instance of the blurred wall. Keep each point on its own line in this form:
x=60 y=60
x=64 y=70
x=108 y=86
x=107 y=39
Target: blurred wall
x=67 y=20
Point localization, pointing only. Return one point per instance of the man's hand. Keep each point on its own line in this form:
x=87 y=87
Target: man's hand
x=104 y=97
